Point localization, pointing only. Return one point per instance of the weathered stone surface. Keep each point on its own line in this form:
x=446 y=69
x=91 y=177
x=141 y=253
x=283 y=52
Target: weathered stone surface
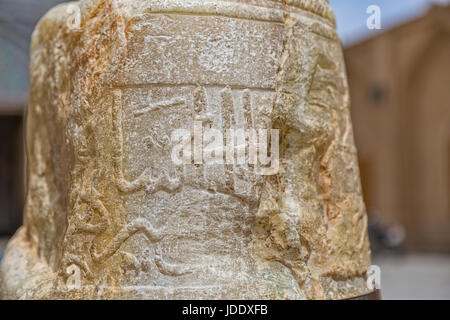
x=110 y=215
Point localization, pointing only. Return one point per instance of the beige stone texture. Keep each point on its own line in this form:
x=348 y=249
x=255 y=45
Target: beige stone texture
x=110 y=216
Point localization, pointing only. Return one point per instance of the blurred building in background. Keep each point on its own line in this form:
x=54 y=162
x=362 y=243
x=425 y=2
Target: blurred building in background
x=400 y=92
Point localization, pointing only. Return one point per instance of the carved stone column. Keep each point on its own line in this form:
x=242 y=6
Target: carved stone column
x=109 y=214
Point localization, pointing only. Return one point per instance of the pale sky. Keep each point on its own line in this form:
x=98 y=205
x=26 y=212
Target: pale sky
x=351 y=15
